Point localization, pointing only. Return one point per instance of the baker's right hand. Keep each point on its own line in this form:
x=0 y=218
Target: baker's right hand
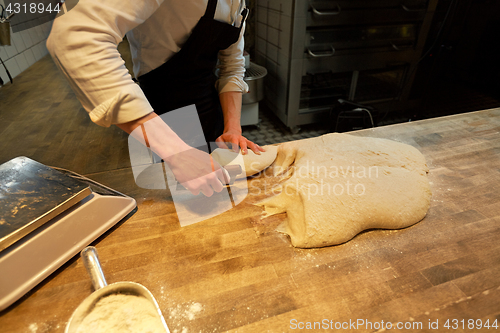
x=192 y=168
x=197 y=171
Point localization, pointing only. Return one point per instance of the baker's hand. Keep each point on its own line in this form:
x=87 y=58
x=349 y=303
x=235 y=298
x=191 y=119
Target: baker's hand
x=197 y=171
x=237 y=141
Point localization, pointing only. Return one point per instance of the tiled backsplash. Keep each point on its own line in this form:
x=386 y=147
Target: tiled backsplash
x=27 y=47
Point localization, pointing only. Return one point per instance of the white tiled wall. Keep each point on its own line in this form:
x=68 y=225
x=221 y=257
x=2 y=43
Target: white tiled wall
x=27 y=47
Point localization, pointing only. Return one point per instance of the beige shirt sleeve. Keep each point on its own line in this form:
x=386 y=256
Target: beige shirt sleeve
x=83 y=43
x=232 y=67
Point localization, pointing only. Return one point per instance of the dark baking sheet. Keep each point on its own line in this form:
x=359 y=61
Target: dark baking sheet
x=32 y=194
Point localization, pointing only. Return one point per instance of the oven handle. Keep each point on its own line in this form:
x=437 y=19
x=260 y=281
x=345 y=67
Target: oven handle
x=413 y=10
x=399 y=48
x=319 y=55
x=395 y=47
x=326 y=13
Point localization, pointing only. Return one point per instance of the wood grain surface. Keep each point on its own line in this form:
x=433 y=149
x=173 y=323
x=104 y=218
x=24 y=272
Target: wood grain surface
x=234 y=273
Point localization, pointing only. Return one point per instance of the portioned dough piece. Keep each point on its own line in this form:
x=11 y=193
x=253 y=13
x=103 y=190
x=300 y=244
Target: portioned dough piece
x=252 y=163
x=339 y=185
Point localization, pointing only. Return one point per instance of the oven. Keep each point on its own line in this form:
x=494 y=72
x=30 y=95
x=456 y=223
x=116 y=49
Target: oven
x=319 y=51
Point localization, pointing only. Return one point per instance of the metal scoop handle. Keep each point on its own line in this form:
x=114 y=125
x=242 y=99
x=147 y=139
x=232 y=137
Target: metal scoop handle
x=93 y=266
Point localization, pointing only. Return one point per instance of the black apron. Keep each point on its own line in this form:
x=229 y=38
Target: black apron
x=189 y=78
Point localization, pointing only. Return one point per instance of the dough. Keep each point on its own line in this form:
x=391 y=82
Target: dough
x=251 y=163
x=338 y=185
x=120 y=313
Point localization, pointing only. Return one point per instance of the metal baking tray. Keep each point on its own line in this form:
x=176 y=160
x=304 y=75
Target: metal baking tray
x=68 y=212
x=32 y=194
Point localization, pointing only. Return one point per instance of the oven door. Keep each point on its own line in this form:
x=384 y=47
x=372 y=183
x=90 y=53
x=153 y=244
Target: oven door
x=343 y=12
x=321 y=90
x=354 y=39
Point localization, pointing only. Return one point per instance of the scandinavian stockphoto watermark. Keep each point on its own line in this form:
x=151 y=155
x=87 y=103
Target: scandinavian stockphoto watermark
x=333 y=180
x=151 y=173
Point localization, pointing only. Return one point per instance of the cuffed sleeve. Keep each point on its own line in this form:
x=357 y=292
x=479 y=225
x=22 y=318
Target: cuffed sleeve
x=83 y=43
x=232 y=67
x=130 y=104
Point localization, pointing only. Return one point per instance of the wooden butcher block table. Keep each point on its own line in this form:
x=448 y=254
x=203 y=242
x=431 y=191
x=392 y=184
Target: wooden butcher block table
x=232 y=274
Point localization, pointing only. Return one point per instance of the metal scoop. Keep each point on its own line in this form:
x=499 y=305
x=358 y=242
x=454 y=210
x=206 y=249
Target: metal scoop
x=102 y=289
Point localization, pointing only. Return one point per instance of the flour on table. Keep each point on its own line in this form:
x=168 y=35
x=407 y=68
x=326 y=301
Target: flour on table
x=181 y=312
x=122 y=313
x=338 y=185
x=33 y=327
x=188 y=311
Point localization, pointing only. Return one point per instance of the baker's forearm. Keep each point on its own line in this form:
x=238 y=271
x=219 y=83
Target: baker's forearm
x=156 y=134
x=231 y=108
x=193 y=168
x=132 y=125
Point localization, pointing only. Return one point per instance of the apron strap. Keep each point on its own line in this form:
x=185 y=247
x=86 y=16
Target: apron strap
x=210 y=11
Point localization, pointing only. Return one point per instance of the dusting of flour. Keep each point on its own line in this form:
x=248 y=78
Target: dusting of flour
x=182 y=312
x=122 y=313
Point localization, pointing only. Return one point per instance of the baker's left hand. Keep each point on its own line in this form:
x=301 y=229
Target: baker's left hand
x=237 y=140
